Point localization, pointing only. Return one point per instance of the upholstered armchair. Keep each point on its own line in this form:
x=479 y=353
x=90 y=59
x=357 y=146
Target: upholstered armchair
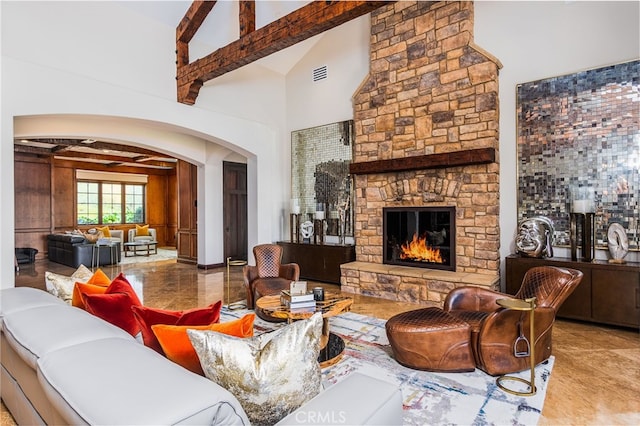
x=495 y=331
x=113 y=235
x=269 y=275
x=134 y=236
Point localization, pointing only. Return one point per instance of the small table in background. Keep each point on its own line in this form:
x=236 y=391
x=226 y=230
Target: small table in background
x=143 y=247
x=331 y=345
x=95 y=253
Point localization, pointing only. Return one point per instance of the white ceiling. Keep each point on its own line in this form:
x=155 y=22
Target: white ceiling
x=222 y=26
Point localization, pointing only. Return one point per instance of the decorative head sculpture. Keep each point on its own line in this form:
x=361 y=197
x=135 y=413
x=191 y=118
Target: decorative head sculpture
x=534 y=237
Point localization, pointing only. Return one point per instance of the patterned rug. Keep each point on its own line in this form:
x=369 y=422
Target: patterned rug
x=429 y=398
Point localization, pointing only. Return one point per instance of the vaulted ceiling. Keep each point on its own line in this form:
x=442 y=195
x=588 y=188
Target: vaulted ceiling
x=253 y=44
x=279 y=34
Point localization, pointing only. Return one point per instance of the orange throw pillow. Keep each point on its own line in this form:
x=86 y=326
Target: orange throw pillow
x=178 y=348
x=81 y=289
x=97 y=284
x=142 y=231
x=105 y=231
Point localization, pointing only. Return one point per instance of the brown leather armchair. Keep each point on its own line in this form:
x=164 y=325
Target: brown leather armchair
x=495 y=331
x=269 y=275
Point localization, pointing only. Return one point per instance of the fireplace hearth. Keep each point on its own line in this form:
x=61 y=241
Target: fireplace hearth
x=422 y=237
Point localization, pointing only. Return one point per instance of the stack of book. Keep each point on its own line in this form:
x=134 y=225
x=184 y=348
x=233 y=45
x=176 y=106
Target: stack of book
x=302 y=302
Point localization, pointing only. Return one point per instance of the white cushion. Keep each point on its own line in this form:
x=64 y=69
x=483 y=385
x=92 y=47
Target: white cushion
x=35 y=332
x=120 y=382
x=20 y=298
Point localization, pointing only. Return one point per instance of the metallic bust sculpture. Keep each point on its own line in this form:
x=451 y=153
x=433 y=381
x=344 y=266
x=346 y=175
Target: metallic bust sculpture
x=534 y=237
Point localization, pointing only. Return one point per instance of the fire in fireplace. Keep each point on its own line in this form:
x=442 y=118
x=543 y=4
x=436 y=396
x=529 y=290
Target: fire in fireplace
x=420 y=236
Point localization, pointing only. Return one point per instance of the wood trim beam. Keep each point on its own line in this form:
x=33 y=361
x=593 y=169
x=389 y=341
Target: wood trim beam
x=193 y=19
x=431 y=161
x=188 y=27
x=247 y=17
x=301 y=24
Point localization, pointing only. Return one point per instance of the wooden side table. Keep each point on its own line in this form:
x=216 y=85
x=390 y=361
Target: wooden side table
x=331 y=345
x=527 y=305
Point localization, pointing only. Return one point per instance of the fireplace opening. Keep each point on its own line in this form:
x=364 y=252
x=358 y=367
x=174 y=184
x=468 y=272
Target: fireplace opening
x=422 y=237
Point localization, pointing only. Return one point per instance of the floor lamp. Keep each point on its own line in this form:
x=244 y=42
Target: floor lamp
x=236 y=305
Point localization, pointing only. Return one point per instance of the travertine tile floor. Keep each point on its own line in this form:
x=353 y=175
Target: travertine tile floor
x=595 y=380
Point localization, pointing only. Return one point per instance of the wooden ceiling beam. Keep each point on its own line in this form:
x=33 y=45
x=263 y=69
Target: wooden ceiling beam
x=188 y=26
x=193 y=19
x=247 y=17
x=301 y=24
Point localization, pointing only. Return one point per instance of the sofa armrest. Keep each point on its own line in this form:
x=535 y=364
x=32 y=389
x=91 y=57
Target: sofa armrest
x=290 y=271
x=117 y=234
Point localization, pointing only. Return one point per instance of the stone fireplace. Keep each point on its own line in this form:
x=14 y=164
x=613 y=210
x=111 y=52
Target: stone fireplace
x=426 y=135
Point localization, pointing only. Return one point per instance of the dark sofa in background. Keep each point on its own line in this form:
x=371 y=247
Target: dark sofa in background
x=74 y=250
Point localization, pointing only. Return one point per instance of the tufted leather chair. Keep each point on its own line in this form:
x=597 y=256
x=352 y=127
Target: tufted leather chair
x=494 y=330
x=269 y=275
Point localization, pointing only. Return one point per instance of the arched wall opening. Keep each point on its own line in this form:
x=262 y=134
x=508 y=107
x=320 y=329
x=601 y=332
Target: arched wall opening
x=205 y=151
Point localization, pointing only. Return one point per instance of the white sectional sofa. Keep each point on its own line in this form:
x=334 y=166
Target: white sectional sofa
x=62 y=365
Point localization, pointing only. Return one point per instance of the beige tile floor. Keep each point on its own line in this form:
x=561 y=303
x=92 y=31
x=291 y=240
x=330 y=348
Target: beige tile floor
x=595 y=379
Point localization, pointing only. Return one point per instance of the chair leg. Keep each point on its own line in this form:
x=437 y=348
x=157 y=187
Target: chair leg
x=250 y=301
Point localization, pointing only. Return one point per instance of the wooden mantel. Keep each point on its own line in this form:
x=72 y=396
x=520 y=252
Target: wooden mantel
x=432 y=161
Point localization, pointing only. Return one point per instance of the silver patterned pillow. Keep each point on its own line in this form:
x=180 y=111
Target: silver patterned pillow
x=62 y=286
x=271 y=374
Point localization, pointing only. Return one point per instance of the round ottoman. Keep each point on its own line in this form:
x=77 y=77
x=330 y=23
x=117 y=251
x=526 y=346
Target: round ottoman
x=431 y=339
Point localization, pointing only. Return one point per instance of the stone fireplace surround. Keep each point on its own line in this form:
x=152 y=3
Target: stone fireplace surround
x=426 y=134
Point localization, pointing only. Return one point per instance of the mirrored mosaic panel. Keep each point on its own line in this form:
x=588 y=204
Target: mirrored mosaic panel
x=581 y=130
x=320 y=179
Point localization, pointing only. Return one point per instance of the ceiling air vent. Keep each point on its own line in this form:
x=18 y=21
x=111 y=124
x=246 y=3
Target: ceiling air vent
x=320 y=73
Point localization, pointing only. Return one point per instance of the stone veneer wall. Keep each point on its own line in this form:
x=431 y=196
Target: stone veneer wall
x=430 y=90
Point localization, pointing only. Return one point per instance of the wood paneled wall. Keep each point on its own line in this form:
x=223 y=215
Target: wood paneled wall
x=45 y=199
x=33 y=217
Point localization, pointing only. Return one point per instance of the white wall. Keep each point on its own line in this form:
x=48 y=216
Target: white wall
x=541 y=39
x=100 y=69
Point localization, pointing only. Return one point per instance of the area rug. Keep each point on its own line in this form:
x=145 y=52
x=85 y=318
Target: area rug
x=163 y=254
x=429 y=398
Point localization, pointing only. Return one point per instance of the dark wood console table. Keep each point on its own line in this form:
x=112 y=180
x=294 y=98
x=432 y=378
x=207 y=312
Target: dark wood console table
x=608 y=293
x=318 y=262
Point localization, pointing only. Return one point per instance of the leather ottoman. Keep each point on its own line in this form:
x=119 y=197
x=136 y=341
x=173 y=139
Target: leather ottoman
x=431 y=339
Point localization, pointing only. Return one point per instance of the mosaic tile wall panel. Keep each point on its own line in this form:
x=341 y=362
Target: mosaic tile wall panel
x=581 y=130
x=320 y=158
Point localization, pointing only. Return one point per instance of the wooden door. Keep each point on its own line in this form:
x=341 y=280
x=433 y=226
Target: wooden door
x=235 y=210
x=187 y=238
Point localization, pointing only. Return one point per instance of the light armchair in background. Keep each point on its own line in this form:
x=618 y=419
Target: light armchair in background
x=140 y=233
